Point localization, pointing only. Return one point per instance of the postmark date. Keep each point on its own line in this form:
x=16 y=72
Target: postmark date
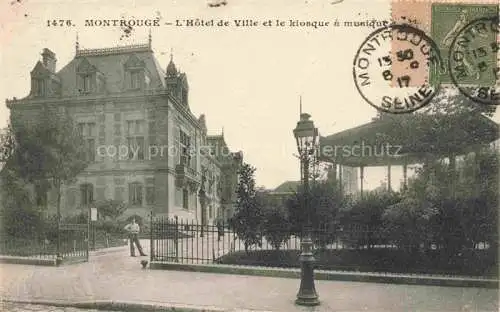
x=488 y=94
x=60 y=23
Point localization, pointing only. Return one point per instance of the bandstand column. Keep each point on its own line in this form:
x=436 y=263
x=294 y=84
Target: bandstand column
x=405 y=175
x=341 y=184
x=334 y=172
x=389 y=188
x=361 y=177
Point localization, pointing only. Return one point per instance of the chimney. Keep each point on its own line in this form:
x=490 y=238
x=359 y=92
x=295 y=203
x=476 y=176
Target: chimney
x=49 y=60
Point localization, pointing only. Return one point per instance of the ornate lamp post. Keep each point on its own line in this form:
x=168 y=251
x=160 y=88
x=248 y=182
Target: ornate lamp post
x=306 y=136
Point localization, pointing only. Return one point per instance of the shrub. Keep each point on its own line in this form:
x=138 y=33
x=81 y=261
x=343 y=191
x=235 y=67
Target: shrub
x=362 y=218
x=276 y=228
x=407 y=223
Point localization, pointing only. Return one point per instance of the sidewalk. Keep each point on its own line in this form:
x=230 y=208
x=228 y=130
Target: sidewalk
x=116 y=277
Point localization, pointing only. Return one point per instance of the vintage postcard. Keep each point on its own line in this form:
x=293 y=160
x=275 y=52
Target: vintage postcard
x=231 y=155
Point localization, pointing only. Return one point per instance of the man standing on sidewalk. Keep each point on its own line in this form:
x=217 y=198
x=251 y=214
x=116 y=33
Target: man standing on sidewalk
x=133 y=229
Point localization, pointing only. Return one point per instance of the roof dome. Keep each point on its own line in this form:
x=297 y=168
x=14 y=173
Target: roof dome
x=171 y=70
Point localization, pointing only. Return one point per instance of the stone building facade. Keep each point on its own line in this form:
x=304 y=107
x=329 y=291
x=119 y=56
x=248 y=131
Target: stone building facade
x=145 y=146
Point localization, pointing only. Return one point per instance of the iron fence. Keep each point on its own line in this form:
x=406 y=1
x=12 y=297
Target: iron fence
x=42 y=243
x=75 y=241
x=335 y=248
x=190 y=242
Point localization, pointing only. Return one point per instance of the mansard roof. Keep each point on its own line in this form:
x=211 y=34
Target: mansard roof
x=112 y=63
x=40 y=71
x=134 y=62
x=85 y=66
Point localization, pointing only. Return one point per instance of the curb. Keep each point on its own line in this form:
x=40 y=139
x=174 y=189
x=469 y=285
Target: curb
x=27 y=261
x=52 y=261
x=446 y=281
x=113 y=305
x=41 y=261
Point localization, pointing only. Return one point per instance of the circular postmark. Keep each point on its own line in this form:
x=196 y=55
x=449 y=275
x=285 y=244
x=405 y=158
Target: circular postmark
x=473 y=61
x=391 y=69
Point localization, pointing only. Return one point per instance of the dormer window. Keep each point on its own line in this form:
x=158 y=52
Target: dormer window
x=89 y=79
x=39 y=87
x=135 y=80
x=86 y=83
x=136 y=77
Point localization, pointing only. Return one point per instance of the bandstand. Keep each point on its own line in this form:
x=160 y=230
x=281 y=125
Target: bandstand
x=412 y=139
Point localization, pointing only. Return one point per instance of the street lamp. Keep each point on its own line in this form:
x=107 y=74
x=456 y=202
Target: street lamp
x=306 y=136
x=203 y=201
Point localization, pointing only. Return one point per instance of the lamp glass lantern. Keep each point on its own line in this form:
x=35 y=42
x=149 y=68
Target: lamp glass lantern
x=306 y=135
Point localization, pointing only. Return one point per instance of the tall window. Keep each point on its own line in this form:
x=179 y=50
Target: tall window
x=150 y=191
x=39 y=85
x=135 y=139
x=90 y=149
x=41 y=196
x=184 y=147
x=88 y=131
x=185 y=199
x=135 y=80
x=87 y=194
x=86 y=83
x=135 y=194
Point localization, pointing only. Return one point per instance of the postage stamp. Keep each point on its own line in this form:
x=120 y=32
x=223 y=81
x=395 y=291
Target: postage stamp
x=394 y=80
x=442 y=21
x=418 y=12
x=473 y=61
x=448 y=21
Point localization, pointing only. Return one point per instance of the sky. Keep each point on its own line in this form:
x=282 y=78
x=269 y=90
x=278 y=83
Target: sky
x=246 y=80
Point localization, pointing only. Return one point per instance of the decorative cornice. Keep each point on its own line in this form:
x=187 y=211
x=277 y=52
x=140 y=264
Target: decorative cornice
x=114 y=50
x=69 y=100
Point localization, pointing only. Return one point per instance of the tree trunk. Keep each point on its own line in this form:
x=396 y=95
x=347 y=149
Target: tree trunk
x=58 y=188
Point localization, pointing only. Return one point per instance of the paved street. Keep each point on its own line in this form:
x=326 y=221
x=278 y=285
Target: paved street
x=116 y=276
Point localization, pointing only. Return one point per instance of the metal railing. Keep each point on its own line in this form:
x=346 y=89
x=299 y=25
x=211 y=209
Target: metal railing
x=76 y=240
x=189 y=242
x=43 y=244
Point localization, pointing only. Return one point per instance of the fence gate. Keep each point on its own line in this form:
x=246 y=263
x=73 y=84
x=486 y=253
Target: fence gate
x=74 y=242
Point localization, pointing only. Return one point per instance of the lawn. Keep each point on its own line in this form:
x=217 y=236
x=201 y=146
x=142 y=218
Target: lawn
x=476 y=263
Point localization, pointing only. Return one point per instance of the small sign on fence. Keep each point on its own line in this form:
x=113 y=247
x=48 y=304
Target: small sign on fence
x=93 y=214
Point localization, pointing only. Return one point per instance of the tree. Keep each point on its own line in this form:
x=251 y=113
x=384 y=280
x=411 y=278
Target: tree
x=440 y=127
x=362 y=218
x=19 y=215
x=247 y=219
x=7 y=144
x=275 y=226
x=432 y=213
x=407 y=223
x=324 y=202
x=48 y=149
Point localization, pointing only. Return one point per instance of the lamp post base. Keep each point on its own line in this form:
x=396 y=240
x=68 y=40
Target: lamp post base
x=307 y=295
x=308 y=302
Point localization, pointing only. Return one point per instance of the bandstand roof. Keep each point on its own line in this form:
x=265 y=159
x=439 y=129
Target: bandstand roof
x=417 y=135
